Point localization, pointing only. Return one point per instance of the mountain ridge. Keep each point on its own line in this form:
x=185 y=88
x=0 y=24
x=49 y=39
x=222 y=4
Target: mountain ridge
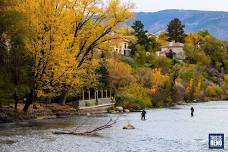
x=216 y=22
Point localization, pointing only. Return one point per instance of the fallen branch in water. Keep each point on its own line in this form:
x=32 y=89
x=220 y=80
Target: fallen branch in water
x=88 y=133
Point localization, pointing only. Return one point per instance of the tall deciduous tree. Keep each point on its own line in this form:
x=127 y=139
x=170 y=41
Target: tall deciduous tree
x=64 y=34
x=176 y=30
x=99 y=26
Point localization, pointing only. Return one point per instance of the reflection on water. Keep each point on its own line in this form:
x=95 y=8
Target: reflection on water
x=169 y=130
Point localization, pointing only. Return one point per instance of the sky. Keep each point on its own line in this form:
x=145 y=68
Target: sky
x=157 y=5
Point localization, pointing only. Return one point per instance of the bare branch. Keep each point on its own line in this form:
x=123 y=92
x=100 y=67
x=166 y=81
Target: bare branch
x=109 y=124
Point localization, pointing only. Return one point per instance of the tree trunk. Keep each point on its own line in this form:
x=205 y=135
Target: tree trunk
x=31 y=98
x=173 y=83
x=63 y=97
x=15 y=105
x=15 y=101
x=26 y=107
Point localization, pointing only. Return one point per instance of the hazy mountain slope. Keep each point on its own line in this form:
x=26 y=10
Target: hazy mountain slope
x=215 y=22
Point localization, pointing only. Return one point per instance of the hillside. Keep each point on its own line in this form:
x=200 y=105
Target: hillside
x=215 y=22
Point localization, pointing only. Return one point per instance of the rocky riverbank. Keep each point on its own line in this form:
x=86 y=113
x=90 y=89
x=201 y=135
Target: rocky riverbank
x=36 y=111
x=48 y=111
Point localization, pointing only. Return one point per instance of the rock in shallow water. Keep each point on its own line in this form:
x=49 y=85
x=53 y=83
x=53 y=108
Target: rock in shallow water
x=126 y=110
x=119 y=109
x=129 y=126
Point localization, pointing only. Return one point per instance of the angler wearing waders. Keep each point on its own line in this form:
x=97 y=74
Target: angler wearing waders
x=192 y=111
x=143 y=115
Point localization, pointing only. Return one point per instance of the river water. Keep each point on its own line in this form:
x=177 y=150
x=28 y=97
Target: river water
x=165 y=130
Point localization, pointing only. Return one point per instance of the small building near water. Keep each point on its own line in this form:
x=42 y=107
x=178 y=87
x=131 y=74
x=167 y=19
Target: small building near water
x=172 y=49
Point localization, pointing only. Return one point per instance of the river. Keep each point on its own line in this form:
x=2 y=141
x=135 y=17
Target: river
x=165 y=130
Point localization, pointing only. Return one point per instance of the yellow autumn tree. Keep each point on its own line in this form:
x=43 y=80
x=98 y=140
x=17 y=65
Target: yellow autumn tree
x=138 y=91
x=225 y=86
x=49 y=28
x=190 y=89
x=64 y=34
x=120 y=74
x=199 y=89
x=163 y=38
x=192 y=38
x=214 y=91
x=97 y=27
x=157 y=79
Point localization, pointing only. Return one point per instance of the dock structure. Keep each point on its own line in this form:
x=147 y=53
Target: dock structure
x=95 y=97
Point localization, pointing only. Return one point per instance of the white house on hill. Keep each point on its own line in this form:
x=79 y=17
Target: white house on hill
x=175 y=48
x=122 y=48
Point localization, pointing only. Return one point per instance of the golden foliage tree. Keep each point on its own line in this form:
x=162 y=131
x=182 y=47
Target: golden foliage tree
x=193 y=38
x=64 y=34
x=157 y=79
x=137 y=91
x=120 y=74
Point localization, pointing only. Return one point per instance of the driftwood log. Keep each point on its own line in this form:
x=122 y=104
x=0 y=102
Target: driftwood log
x=88 y=133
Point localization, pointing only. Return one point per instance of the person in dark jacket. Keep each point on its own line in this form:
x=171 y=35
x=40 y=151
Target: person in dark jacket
x=143 y=115
x=192 y=111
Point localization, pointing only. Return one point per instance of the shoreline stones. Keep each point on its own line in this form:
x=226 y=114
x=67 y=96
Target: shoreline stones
x=119 y=109
x=126 y=110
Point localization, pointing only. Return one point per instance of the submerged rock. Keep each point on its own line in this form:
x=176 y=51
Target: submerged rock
x=129 y=126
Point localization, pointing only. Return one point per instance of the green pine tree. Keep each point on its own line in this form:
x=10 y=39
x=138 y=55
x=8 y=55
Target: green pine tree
x=176 y=31
x=143 y=38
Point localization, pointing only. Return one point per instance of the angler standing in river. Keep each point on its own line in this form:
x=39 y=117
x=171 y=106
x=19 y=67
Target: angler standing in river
x=192 y=111
x=143 y=115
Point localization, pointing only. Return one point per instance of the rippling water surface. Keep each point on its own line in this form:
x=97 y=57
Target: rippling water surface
x=165 y=130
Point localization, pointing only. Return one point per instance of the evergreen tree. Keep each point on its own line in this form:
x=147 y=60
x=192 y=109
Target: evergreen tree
x=176 y=30
x=140 y=32
x=102 y=70
x=148 y=42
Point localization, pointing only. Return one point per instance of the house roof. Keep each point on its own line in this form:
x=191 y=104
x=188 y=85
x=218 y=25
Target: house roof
x=173 y=44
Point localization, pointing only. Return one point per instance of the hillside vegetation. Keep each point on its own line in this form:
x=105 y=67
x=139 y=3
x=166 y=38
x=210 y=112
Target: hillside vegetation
x=165 y=81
